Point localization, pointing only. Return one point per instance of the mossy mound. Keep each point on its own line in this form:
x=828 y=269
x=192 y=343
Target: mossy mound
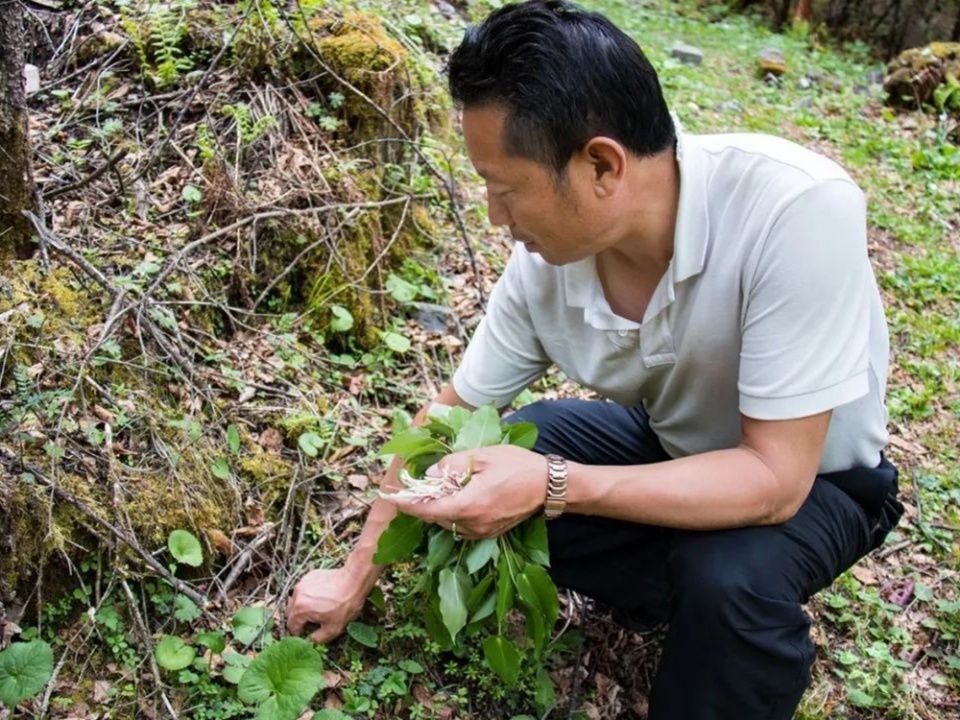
x=915 y=76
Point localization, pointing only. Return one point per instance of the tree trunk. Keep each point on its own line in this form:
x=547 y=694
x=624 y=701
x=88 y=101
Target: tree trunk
x=955 y=35
x=16 y=178
x=804 y=12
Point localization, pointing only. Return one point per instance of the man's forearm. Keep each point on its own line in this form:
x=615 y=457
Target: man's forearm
x=719 y=489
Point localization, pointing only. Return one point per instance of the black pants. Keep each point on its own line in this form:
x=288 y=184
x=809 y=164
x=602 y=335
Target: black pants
x=738 y=643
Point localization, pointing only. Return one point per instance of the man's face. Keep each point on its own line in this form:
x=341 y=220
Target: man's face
x=560 y=220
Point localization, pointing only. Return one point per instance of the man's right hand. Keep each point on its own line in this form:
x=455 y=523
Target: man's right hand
x=328 y=598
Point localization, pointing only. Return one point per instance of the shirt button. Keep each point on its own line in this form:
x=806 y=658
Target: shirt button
x=623 y=333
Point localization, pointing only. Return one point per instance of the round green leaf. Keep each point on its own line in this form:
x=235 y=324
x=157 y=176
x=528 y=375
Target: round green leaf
x=342 y=320
x=310 y=443
x=248 y=622
x=174 y=654
x=221 y=469
x=396 y=342
x=213 y=640
x=24 y=669
x=363 y=634
x=185 y=548
x=282 y=679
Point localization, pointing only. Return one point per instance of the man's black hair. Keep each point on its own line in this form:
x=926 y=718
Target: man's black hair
x=563 y=75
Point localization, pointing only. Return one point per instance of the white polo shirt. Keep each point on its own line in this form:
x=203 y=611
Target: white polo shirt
x=768 y=308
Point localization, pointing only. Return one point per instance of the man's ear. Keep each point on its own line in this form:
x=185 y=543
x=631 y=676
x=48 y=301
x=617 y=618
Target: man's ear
x=608 y=161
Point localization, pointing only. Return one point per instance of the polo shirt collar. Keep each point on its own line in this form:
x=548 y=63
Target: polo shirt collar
x=581 y=282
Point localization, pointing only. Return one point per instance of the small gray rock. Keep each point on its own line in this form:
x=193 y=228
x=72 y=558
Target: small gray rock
x=804 y=83
x=731 y=106
x=31 y=79
x=875 y=77
x=771 y=61
x=686 y=53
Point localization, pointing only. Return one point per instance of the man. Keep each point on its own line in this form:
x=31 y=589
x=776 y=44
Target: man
x=716 y=290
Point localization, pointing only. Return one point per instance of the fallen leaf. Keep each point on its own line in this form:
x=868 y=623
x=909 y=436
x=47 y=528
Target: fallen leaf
x=864 y=575
x=101 y=691
x=221 y=542
x=360 y=482
x=271 y=440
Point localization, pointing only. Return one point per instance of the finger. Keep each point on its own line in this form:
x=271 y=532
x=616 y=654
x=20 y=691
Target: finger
x=295 y=622
x=461 y=462
x=326 y=633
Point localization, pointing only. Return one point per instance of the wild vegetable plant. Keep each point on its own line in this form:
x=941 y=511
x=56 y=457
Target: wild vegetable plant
x=470 y=587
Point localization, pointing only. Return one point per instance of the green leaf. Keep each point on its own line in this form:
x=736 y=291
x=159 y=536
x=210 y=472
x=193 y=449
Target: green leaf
x=439 y=549
x=505 y=589
x=310 y=443
x=401 y=290
x=25 y=668
x=535 y=540
x=363 y=634
x=482 y=429
x=216 y=641
x=480 y=554
x=532 y=611
x=411 y=442
x=545 y=696
x=545 y=591
x=191 y=194
x=480 y=591
x=331 y=714
x=282 y=680
x=185 y=609
x=221 y=469
x=185 y=548
x=411 y=666
x=233 y=673
x=248 y=623
x=173 y=653
x=503 y=658
x=341 y=319
x=433 y=624
x=400 y=540
x=396 y=342
x=453 y=601
x=521 y=434
x=233 y=439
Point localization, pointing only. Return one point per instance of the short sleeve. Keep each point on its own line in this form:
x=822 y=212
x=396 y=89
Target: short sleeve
x=504 y=356
x=806 y=313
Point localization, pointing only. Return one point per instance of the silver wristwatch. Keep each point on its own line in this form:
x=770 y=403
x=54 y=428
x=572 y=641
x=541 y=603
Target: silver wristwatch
x=556 y=487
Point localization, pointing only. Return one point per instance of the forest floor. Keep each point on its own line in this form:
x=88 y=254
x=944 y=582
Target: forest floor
x=323 y=401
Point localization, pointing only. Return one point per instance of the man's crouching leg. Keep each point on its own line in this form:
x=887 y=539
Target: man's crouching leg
x=739 y=645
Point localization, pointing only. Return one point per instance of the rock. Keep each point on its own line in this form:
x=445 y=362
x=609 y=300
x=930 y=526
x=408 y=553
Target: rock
x=448 y=11
x=31 y=79
x=772 y=80
x=804 y=83
x=686 y=53
x=874 y=77
x=771 y=61
x=731 y=106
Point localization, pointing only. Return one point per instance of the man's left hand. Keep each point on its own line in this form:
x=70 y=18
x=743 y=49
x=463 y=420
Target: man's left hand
x=508 y=484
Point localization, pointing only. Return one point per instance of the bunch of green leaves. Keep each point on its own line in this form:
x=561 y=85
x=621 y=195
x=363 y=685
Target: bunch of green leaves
x=469 y=587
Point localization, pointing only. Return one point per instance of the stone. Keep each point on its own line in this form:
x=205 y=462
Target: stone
x=875 y=77
x=772 y=80
x=771 y=61
x=731 y=106
x=31 y=79
x=686 y=53
x=804 y=83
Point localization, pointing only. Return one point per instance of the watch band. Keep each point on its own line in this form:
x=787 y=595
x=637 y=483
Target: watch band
x=556 y=487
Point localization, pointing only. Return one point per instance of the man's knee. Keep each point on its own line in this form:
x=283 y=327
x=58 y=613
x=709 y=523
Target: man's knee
x=550 y=417
x=733 y=581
